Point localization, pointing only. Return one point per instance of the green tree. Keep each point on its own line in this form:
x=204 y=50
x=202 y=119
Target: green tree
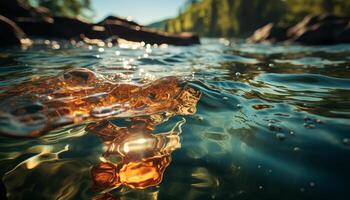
x=71 y=8
x=242 y=17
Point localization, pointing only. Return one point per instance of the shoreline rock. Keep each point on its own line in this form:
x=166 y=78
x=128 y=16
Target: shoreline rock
x=138 y=33
x=312 y=30
x=38 y=22
x=10 y=33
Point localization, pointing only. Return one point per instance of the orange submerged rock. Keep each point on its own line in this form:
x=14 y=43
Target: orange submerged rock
x=79 y=95
x=142 y=155
x=135 y=156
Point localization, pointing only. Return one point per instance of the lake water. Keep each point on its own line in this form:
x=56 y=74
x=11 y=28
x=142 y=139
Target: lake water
x=271 y=122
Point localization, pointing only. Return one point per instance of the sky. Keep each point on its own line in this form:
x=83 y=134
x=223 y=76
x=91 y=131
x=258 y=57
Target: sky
x=141 y=11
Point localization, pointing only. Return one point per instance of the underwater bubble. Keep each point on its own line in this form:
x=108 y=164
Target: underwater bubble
x=291 y=133
x=280 y=136
x=307 y=119
x=273 y=127
x=296 y=149
x=309 y=126
x=260 y=187
x=224 y=98
x=239 y=106
x=238 y=74
x=198 y=118
x=346 y=141
x=312 y=184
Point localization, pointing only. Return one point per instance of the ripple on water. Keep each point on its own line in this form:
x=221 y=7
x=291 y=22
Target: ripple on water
x=251 y=112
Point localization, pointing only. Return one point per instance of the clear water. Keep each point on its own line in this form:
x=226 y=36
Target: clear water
x=273 y=122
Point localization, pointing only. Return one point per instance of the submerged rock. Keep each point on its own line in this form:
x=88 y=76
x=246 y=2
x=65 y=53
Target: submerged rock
x=312 y=30
x=80 y=95
x=135 y=156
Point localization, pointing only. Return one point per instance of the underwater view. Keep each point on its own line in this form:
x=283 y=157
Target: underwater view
x=221 y=120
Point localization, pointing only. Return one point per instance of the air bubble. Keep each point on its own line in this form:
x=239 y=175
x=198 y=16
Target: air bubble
x=273 y=127
x=346 y=141
x=280 y=136
x=296 y=149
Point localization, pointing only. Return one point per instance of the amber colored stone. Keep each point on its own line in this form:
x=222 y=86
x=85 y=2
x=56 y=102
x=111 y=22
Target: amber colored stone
x=79 y=95
x=134 y=156
x=145 y=173
x=261 y=106
x=105 y=175
x=144 y=156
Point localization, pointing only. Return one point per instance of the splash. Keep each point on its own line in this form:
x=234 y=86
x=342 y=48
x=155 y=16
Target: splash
x=80 y=95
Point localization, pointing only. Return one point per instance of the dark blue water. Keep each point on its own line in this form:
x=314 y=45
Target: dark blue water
x=273 y=121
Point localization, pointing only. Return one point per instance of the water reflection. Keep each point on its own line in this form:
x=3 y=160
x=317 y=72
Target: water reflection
x=266 y=112
x=79 y=95
x=134 y=157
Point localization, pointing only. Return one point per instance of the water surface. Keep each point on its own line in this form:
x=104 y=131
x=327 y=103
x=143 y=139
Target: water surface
x=272 y=122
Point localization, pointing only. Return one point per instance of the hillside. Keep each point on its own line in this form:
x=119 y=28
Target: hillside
x=159 y=25
x=226 y=18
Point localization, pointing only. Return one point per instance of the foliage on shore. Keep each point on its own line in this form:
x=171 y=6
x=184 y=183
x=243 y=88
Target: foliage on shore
x=241 y=17
x=70 y=8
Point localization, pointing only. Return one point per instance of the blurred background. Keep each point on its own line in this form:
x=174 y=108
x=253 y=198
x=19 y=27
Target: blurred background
x=212 y=18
